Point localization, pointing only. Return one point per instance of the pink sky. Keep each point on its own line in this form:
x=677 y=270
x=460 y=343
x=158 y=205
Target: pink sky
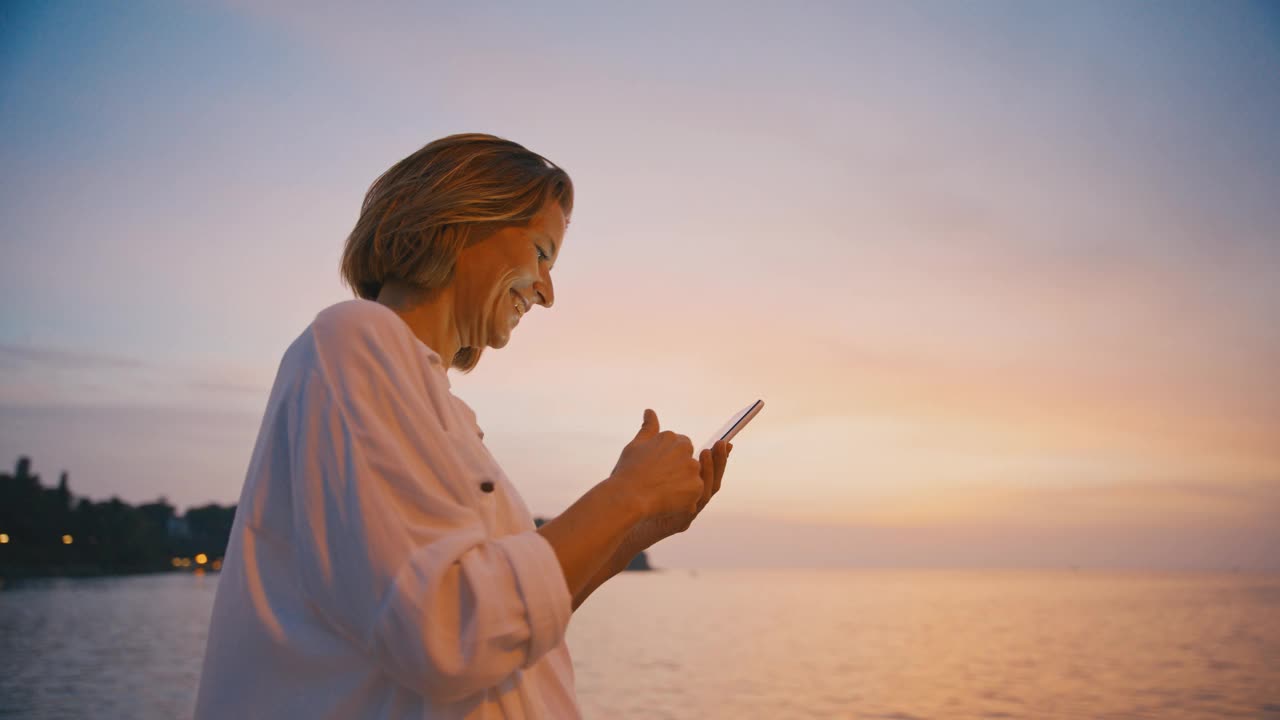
x=1007 y=279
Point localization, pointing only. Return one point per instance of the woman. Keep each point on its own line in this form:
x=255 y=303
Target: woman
x=381 y=564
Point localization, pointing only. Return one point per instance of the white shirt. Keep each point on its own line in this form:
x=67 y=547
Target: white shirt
x=369 y=573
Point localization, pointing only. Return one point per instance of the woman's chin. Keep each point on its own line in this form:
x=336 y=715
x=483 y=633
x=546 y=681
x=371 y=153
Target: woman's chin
x=499 y=338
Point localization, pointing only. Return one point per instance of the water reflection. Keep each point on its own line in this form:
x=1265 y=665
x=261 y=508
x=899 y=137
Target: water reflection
x=748 y=644
x=930 y=645
x=127 y=647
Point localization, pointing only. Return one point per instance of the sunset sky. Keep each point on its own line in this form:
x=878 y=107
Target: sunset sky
x=1007 y=275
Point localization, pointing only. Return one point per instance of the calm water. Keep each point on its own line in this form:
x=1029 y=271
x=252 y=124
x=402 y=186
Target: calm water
x=751 y=644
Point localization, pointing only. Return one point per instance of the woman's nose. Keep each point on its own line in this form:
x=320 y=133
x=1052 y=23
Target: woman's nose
x=544 y=290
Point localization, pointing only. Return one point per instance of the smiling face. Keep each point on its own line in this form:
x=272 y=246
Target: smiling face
x=499 y=279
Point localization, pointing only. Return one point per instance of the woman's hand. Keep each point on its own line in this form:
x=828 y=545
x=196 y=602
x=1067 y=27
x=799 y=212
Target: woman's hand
x=657 y=474
x=649 y=531
x=661 y=483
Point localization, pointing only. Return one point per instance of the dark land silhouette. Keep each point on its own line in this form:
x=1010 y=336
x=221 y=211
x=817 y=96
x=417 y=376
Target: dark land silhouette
x=48 y=532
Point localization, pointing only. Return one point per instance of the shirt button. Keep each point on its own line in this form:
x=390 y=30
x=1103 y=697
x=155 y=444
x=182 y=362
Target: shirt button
x=487 y=486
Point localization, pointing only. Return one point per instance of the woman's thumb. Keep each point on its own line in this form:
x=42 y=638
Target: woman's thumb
x=649 y=427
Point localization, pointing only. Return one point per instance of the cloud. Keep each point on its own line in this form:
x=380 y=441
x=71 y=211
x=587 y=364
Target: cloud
x=16 y=357
x=760 y=540
x=1172 y=505
x=41 y=376
x=217 y=387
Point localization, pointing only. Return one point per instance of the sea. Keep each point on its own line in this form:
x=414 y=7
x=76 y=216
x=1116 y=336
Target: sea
x=775 y=644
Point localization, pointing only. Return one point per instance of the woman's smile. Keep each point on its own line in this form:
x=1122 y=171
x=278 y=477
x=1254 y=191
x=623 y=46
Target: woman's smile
x=498 y=280
x=520 y=305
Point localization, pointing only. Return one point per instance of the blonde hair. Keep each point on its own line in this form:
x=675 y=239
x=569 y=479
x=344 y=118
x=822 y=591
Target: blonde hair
x=454 y=192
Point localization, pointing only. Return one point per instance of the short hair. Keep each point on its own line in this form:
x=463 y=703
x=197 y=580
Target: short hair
x=454 y=192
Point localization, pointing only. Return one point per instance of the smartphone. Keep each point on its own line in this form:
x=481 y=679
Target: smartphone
x=735 y=424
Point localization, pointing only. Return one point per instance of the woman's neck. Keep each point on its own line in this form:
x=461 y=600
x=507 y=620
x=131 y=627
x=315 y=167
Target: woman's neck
x=429 y=316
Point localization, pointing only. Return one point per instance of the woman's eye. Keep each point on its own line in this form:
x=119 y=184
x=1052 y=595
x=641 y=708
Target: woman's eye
x=541 y=254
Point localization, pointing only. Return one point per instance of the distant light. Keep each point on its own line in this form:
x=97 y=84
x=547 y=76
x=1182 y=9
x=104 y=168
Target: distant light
x=66 y=540
x=217 y=564
x=201 y=558
x=177 y=562
x=4 y=538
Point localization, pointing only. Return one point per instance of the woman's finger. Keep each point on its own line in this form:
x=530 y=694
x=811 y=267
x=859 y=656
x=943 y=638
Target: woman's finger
x=721 y=453
x=707 y=468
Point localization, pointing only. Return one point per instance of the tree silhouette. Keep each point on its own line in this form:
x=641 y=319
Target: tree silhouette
x=47 y=531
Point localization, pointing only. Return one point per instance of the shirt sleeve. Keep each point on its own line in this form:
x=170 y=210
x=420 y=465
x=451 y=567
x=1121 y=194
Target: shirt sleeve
x=390 y=553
